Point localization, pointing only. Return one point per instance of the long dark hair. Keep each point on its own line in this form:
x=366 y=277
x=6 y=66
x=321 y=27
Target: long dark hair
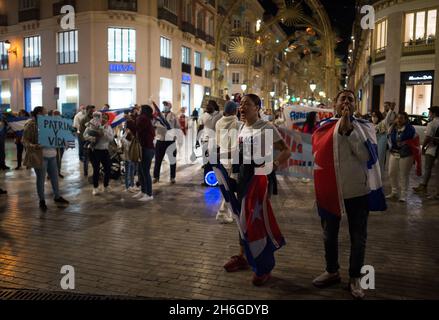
x=256 y=100
x=311 y=120
x=37 y=111
x=146 y=109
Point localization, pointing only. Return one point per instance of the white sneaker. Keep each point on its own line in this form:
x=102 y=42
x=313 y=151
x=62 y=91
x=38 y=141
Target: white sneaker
x=222 y=217
x=355 y=288
x=146 y=198
x=108 y=189
x=393 y=195
x=402 y=199
x=138 y=195
x=95 y=191
x=133 y=190
x=326 y=279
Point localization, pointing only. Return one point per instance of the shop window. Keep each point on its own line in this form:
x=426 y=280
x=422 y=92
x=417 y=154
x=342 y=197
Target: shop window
x=166 y=90
x=121 y=90
x=68 y=90
x=4 y=62
x=5 y=92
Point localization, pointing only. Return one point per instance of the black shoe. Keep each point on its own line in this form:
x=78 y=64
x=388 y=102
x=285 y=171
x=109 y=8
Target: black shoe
x=18 y=168
x=61 y=200
x=5 y=168
x=43 y=206
x=61 y=176
x=2 y=192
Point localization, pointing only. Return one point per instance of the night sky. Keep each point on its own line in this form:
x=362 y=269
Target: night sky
x=340 y=12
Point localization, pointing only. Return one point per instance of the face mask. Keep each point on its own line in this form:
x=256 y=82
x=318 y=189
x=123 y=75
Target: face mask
x=375 y=119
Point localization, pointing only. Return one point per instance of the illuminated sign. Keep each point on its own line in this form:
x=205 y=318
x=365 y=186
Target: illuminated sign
x=186 y=78
x=423 y=78
x=122 y=68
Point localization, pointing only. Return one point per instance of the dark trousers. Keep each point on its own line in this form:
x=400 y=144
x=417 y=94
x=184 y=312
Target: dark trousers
x=162 y=148
x=2 y=150
x=97 y=158
x=59 y=155
x=85 y=156
x=145 y=171
x=357 y=213
x=80 y=149
x=20 y=149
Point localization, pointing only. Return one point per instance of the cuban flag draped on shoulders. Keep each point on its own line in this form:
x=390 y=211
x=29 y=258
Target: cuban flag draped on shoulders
x=256 y=222
x=116 y=117
x=17 y=124
x=329 y=194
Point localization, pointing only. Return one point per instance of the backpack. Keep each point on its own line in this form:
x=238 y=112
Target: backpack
x=135 y=150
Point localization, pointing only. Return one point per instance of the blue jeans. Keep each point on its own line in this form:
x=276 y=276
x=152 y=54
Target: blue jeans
x=50 y=167
x=145 y=171
x=130 y=168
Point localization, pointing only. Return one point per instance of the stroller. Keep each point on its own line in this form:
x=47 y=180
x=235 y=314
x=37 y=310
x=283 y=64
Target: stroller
x=116 y=167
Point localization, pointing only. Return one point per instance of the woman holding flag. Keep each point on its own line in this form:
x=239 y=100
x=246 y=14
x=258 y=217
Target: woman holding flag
x=260 y=235
x=347 y=182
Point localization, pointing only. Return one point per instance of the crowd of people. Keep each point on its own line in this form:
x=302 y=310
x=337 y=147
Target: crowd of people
x=150 y=132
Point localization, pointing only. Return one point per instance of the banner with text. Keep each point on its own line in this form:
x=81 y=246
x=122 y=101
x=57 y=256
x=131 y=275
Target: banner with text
x=55 y=132
x=295 y=115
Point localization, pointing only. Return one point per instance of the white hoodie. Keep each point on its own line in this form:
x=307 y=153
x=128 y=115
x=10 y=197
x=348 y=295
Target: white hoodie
x=227 y=131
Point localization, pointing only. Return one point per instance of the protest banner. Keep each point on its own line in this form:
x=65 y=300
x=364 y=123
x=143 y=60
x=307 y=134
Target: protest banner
x=295 y=115
x=69 y=110
x=301 y=162
x=220 y=101
x=55 y=132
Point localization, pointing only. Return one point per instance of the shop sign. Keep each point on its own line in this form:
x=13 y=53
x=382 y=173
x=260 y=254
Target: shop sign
x=186 y=78
x=422 y=78
x=122 y=68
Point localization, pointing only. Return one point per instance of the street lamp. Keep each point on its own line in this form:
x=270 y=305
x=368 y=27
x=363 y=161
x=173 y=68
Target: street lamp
x=313 y=86
x=244 y=88
x=8 y=48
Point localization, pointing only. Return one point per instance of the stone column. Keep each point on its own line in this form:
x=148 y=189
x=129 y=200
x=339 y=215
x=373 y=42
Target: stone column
x=393 y=58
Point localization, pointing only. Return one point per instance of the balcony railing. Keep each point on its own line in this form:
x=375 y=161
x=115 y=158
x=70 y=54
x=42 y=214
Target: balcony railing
x=210 y=40
x=29 y=14
x=426 y=46
x=198 y=71
x=188 y=27
x=165 y=62
x=187 y=68
x=201 y=34
x=242 y=33
x=380 y=54
x=122 y=5
x=165 y=14
x=3 y=20
x=58 y=5
x=211 y=2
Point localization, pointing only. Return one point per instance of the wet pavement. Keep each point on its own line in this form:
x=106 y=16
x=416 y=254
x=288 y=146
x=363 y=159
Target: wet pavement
x=173 y=247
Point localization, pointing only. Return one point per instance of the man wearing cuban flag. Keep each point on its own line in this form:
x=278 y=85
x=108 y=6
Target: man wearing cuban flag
x=347 y=182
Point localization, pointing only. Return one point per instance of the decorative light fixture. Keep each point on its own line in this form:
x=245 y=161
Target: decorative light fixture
x=258 y=25
x=322 y=94
x=272 y=93
x=313 y=86
x=244 y=87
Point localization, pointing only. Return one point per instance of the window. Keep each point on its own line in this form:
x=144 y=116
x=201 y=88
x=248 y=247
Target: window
x=247 y=27
x=210 y=30
x=121 y=90
x=236 y=24
x=420 y=27
x=68 y=90
x=187 y=11
x=28 y=4
x=5 y=92
x=121 y=45
x=170 y=5
x=198 y=69
x=197 y=59
x=235 y=78
x=186 y=55
x=32 y=52
x=4 y=63
x=381 y=35
x=208 y=68
x=67 y=47
x=165 y=53
x=127 y=5
x=200 y=21
x=166 y=90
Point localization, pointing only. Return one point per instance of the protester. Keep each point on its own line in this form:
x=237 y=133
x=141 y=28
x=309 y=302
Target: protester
x=381 y=133
x=226 y=133
x=402 y=133
x=42 y=159
x=311 y=123
x=145 y=133
x=77 y=125
x=130 y=166
x=3 y=131
x=195 y=117
x=3 y=192
x=182 y=120
x=344 y=184
x=389 y=113
x=99 y=153
x=165 y=144
x=206 y=131
x=82 y=126
x=19 y=140
x=252 y=190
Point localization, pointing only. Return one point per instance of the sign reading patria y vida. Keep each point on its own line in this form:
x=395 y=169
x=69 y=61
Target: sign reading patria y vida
x=55 y=132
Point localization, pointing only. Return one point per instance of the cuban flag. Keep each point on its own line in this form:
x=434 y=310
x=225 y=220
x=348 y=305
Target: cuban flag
x=17 y=124
x=116 y=117
x=256 y=222
x=329 y=194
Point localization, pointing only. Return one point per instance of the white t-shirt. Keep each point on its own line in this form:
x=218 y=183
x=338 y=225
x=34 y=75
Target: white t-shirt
x=432 y=127
x=258 y=141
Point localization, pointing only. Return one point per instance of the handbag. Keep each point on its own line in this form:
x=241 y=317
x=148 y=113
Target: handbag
x=135 y=150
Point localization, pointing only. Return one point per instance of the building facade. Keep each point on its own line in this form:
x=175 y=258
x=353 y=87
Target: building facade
x=398 y=60
x=119 y=52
